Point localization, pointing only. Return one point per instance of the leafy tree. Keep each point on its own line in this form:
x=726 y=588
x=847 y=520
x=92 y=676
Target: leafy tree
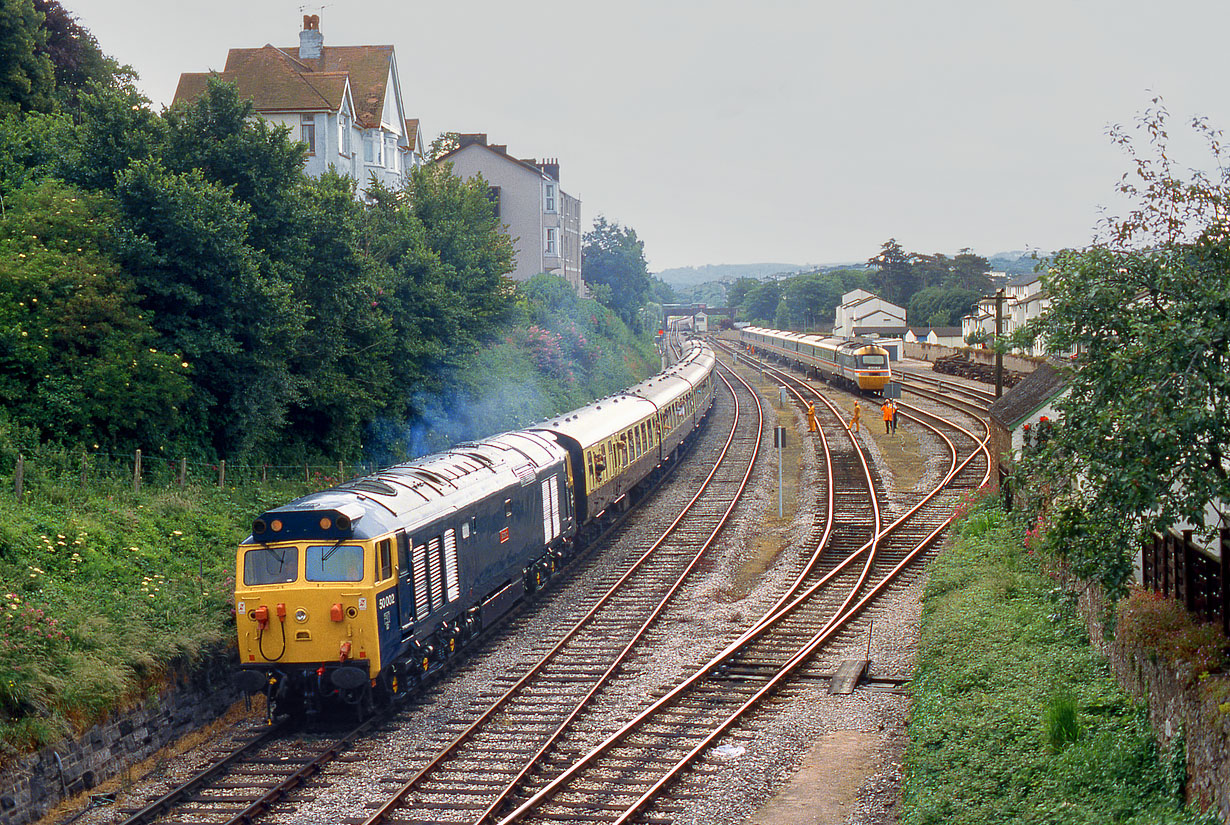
x=75 y=54
x=79 y=361
x=217 y=136
x=116 y=128
x=475 y=252
x=940 y=306
x=27 y=77
x=341 y=364
x=1146 y=427
x=737 y=292
x=895 y=277
x=210 y=301
x=444 y=143
x=614 y=256
x=808 y=301
x=761 y=302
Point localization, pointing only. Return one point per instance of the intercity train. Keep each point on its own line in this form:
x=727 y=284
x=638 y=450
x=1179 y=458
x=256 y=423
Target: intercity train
x=855 y=362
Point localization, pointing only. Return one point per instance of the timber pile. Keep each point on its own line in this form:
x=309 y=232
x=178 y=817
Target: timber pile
x=963 y=366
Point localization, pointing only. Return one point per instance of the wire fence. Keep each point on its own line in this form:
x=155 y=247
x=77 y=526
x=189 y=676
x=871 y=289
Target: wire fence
x=42 y=467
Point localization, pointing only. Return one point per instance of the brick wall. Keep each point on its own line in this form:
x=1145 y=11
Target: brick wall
x=194 y=695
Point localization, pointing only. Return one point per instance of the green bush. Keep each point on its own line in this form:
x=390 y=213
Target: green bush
x=1016 y=718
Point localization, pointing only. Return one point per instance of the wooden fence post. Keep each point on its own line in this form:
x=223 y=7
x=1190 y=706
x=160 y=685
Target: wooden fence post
x=222 y=473
x=183 y=472
x=136 y=472
x=19 y=477
x=264 y=474
x=83 y=470
x=306 y=475
x=340 y=478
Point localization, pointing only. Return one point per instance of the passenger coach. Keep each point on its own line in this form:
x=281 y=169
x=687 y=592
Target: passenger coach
x=855 y=362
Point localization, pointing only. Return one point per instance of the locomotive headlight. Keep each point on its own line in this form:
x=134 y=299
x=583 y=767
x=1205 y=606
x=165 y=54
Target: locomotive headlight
x=301 y=615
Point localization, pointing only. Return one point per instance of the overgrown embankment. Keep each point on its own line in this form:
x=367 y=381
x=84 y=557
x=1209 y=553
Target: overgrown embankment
x=104 y=586
x=1016 y=717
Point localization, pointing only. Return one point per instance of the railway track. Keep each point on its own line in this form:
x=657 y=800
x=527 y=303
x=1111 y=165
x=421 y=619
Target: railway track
x=623 y=776
x=271 y=767
x=471 y=774
x=529 y=749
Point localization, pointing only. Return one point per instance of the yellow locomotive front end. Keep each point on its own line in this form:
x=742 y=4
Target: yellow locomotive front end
x=871 y=368
x=308 y=611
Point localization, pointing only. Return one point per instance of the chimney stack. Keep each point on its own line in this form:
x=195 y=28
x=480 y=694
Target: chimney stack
x=550 y=167
x=311 y=41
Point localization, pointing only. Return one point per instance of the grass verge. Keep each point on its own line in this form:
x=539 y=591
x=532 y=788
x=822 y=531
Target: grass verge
x=1016 y=718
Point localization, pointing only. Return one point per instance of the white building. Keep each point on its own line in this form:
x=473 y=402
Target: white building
x=862 y=313
x=543 y=221
x=343 y=102
x=1024 y=300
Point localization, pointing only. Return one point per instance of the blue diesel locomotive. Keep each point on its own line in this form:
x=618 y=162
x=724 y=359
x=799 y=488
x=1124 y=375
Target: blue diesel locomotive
x=351 y=595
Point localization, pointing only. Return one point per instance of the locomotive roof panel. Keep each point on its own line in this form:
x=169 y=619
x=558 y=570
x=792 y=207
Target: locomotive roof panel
x=412 y=493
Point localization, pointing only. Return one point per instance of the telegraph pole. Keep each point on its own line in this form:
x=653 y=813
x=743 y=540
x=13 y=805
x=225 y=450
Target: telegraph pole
x=999 y=352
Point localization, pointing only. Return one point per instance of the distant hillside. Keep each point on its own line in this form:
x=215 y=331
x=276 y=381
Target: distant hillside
x=685 y=276
x=1016 y=262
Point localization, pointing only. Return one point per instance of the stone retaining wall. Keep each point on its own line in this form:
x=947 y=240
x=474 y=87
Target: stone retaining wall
x=1178 y=702
x=196 y=694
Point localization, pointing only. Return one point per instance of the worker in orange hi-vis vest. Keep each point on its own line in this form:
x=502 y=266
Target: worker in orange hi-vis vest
x=858 y=411
x=811 y=418
x=886 y=412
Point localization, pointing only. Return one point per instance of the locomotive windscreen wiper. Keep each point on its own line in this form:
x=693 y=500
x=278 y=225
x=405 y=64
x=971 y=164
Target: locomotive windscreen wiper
x=331 y=551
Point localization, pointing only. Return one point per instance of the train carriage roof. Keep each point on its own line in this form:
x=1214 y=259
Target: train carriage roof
x=413 y=493
x=597 y=421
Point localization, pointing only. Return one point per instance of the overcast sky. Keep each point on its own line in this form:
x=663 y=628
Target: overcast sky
x=781 y=130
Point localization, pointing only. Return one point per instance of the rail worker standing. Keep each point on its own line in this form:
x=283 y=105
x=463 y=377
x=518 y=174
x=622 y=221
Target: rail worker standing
x=886 y=413
x=893 y=405
x=858 y=411
x=811 y=418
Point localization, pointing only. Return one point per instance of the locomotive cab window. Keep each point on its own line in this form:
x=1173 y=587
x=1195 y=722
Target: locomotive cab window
x=384 y=551
x=873 y=360
x=271 y=565
x=334 y=563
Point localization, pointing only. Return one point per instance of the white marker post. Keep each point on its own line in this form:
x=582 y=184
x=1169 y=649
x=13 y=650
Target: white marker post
x=779 y=441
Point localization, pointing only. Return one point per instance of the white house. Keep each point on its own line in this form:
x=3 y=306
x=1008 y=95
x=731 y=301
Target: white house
x=1024 y=300
x=343 y=102
x=862 y=313
x=543 y=221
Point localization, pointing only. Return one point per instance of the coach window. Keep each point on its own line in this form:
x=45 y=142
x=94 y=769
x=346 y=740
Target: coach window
x=508 y=508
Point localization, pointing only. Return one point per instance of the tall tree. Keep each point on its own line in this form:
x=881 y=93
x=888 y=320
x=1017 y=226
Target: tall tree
x=762 y=301
x=895 y=276
x=27 y=77
x=1145 y=433
x=75 y=54
x=615 y=257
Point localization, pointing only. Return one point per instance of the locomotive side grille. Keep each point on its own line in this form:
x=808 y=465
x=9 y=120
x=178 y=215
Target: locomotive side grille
x=437 y=573
x=450 y=565
x=420 y=581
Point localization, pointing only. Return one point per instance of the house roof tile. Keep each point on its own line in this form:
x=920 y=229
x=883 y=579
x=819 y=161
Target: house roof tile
x=1034 y=390
x=277 y=80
